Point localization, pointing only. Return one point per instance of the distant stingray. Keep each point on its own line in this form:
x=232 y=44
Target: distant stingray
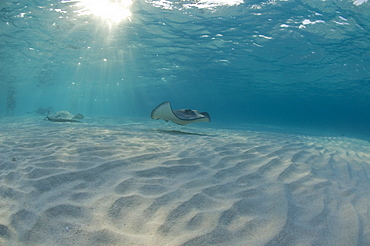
x=64 y=116
x=180 y=117
x=42 y=111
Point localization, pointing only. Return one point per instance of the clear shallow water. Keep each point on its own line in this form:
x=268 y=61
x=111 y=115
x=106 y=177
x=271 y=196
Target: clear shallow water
x=292 y=64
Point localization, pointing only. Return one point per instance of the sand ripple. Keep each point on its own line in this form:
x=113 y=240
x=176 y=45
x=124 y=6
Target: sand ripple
x=134 y=185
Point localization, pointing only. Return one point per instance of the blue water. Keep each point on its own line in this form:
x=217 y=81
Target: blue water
x=294 y=64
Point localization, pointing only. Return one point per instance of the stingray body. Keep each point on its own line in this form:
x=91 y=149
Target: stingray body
x=180 y=117
x=64 y=116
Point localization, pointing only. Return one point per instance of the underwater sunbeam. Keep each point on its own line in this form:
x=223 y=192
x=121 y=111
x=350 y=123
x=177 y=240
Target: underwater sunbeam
x=113 y=11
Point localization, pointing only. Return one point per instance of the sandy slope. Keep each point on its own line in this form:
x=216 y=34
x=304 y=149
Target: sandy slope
x=136 y=184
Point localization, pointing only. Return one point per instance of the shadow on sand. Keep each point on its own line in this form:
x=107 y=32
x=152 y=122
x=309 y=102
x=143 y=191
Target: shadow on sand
x=177 y=132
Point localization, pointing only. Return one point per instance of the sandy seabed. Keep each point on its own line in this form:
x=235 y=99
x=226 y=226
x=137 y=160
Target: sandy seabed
x=153 y=183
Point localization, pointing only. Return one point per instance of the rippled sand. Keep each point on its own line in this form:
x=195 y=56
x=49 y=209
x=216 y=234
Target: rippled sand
x=155 y=184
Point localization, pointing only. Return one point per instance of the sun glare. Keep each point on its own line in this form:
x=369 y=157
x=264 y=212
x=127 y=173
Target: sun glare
x=110 y=10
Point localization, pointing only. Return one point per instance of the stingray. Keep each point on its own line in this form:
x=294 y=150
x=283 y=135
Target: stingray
x=64 y=116
x=180 y=117
x=42 y=111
